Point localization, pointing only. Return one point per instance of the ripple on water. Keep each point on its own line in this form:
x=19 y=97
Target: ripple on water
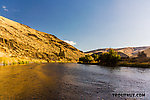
x=71 y=81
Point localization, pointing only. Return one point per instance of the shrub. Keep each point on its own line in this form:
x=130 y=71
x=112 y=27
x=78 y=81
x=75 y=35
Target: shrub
x=110 y=58
x=142 y=54
x=86 y=59
x=96 y=57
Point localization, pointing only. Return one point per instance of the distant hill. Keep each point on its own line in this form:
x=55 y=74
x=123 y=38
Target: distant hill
x=18 y=40
x=124 y=52
x=147 y=51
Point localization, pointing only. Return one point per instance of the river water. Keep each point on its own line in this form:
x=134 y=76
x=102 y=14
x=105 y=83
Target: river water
x=73 y=82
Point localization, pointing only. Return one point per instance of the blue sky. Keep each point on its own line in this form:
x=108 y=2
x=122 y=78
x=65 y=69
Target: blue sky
x=91 y=24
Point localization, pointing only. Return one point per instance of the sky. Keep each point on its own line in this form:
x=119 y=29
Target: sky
x=86 y=24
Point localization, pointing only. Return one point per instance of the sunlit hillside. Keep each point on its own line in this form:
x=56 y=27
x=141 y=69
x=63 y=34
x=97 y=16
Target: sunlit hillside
x=21 y=41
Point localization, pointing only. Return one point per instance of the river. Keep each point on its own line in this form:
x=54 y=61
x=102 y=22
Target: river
x=72 y=82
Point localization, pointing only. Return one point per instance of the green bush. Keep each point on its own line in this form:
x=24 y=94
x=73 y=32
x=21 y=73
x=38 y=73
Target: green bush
x=110 y=58
x=86 y=59
x=96 y=57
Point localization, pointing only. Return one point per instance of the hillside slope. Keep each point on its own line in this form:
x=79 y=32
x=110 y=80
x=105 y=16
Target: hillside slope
x=18 y=40
x=147 y=51
x=124 y=52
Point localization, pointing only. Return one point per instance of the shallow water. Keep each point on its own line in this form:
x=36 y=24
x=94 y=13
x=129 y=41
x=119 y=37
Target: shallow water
x=72 y=82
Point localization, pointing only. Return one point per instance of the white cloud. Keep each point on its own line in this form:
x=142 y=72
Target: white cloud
x=70 y=42
x=4 y=8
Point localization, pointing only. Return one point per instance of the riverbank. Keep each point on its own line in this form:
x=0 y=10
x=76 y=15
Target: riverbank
x=125 y=64
x=136 y=64
x=13 y=61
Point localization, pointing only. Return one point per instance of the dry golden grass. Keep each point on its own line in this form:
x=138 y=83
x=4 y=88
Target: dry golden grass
x=18 y=40
x=11 y=61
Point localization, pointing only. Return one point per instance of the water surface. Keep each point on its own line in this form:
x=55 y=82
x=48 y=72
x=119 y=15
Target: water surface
x=72 y=82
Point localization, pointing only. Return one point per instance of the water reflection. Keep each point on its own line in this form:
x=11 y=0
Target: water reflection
x=70 y=81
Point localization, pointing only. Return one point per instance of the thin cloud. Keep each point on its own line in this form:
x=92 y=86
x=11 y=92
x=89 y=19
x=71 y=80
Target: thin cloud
x=4 y=8
x=70 y=42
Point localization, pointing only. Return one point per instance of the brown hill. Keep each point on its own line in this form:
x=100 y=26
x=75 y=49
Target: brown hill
x=18 y=40
x=147 y=51
x=123 y=52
